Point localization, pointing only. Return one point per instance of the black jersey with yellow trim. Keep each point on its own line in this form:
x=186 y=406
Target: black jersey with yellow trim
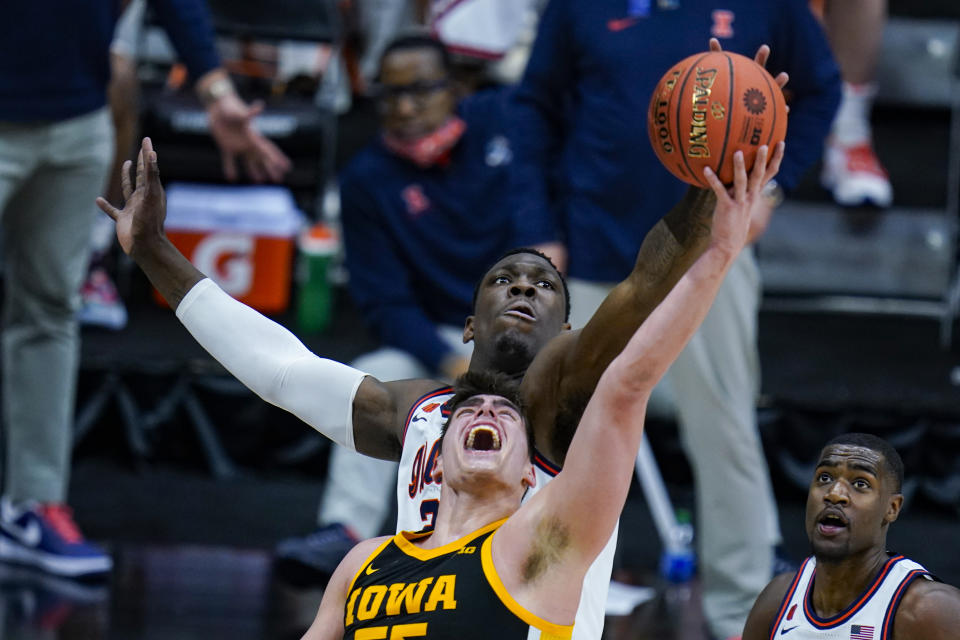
x=453 y=591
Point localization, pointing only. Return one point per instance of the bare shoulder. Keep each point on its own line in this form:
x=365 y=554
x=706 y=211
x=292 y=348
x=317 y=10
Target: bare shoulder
x=546 y=390
x=929 y=610
x=379 y=413
x=354 y=561
x=328 y=624
x=765 y=609
x=547 y=369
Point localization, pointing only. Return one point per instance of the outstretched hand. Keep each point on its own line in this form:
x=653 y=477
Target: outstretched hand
x=231 y=125
x=141 y=219
x=732 y=214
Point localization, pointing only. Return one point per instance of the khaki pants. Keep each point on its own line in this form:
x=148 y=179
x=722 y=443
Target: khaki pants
x=50 y=174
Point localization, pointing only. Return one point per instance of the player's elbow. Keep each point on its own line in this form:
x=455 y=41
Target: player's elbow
x=629 y=384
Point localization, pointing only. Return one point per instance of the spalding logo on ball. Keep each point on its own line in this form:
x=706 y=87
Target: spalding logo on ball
x=707 y=107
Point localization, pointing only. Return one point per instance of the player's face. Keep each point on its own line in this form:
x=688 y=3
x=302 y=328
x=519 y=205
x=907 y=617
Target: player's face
x=416 y=95
x=486 y=441
x=520 y=307
x=850 y=503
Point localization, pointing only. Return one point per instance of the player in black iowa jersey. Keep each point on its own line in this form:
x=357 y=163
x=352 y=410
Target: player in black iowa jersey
x=494 y=567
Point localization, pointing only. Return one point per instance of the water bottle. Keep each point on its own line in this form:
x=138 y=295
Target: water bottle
x=678 y=562
x=318 y=246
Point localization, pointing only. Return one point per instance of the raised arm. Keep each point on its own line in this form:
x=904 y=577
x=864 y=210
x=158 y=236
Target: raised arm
x=666 y=253
x=342 y=403
x=567 y=523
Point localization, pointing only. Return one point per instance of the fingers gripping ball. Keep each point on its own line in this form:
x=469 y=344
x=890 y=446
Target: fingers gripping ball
x=707 y=107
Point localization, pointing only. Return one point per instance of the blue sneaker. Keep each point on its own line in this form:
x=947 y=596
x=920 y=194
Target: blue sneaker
x=311 y=560
x=45 y=536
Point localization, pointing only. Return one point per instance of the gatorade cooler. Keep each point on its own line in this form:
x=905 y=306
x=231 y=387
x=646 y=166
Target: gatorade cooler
x=242 y=237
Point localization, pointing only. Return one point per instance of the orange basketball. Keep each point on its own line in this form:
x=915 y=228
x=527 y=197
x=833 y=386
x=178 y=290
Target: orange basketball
x=707 y=107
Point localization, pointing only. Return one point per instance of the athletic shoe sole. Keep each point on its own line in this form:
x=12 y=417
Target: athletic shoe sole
x=52 y=563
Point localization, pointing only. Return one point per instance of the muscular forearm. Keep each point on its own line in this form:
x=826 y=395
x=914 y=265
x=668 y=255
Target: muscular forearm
x=168 y=270
x=668 y=251
x=659 y=340
x=672 y=245
x=691 y=219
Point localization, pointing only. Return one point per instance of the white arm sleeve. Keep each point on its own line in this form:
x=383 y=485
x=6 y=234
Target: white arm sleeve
x=272 y=362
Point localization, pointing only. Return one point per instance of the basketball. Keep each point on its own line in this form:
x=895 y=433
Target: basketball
x=708 y=106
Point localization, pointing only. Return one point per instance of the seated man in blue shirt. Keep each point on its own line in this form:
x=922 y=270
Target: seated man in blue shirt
x=423 y=219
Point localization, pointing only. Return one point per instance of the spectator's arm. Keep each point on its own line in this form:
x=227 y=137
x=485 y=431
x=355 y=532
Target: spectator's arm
x=380 y=282
x=800 y=48
x=538 y=126
x=190 y=28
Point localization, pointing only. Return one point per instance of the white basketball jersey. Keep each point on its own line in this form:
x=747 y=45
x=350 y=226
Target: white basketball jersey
x=418 y=497
x=417 y=494
x=869 y=617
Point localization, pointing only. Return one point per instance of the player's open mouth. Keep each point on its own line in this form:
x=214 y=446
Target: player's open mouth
x=521 y=310
x=482 y=438
x=831 y=522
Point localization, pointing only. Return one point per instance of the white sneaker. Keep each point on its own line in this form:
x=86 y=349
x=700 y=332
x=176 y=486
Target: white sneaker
x=855 y=177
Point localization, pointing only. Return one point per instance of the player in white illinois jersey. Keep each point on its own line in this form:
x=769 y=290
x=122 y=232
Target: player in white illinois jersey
x=852 y=588
x=518 y=328
x=418 y=492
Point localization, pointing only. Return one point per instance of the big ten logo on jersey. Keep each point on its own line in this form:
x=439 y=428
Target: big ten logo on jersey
x=228 y=258
x=400 y=598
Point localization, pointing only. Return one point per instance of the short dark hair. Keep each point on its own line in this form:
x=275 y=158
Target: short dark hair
x=490 y=383
x=419 y=41
x=532 y=251
x=892 y=459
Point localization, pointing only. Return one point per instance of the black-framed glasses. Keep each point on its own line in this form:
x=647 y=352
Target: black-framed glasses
x=419 y=92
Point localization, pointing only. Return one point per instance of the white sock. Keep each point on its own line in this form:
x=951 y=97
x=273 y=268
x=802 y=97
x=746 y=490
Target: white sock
x=852 y=124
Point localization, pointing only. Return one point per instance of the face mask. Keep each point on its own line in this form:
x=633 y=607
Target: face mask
x=432 y=148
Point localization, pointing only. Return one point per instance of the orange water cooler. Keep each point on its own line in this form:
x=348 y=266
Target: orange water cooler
x=242 y=237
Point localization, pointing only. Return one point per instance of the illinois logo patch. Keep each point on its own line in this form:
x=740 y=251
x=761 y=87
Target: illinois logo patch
x=722 y=23
x=416 y=201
